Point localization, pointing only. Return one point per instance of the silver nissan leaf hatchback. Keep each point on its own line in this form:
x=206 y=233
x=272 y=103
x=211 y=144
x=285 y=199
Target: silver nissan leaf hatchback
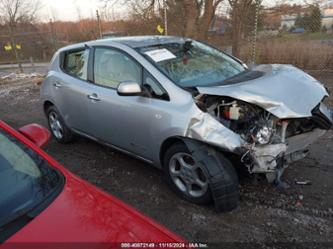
x=183 y=106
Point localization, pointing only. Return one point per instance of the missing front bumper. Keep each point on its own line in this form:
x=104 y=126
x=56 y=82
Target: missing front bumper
x=272 y=157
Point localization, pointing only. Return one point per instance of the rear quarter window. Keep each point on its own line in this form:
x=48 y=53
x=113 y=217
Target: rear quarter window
x=75 y=63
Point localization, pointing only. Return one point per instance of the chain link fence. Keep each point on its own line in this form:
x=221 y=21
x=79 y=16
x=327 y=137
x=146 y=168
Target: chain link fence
x=301 y=36
x=256 y=31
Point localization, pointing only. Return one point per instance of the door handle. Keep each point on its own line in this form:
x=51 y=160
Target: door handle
x=93 y=97
x=57 y=84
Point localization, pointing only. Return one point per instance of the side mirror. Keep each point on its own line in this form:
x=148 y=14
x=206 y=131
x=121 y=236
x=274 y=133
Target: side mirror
x=129 y=88
x=36 y=133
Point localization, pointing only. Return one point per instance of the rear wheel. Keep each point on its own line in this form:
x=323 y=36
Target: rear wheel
x=57 y=126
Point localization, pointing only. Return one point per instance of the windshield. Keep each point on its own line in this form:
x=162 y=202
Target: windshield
x=26 y=181
x=192 y=64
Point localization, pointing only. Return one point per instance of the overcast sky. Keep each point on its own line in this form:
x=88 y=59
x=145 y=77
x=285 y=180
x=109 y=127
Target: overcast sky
x=72 y=10
x=68 y=9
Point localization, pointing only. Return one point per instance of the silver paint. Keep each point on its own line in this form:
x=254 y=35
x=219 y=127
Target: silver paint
x=129 y=88
x=283 y=90
x=139 y=125
x=206 y=128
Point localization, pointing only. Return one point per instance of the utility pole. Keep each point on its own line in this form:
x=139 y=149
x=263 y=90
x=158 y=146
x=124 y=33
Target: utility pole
x=53 y=35
x=165 y=18
x=255 y=32
x=99 y=24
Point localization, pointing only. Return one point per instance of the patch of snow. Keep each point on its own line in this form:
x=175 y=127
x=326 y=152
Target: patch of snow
x=17 y=76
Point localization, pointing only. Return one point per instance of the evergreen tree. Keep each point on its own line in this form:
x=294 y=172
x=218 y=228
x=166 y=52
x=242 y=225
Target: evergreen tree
x=299 y=21
x=314 y=22
x=306 y=22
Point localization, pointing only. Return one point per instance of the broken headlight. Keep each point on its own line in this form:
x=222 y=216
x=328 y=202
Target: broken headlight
x=252 y=123
x=264 y=134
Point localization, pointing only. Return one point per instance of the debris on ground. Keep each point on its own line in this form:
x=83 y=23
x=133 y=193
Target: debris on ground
x=306 y=182
x=20 y=76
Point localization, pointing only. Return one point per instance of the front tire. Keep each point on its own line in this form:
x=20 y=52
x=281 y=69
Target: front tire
x=201 y=181
x=57 y=126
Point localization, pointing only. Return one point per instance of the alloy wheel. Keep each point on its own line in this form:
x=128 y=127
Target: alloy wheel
x=55 y=125
x=188 y=175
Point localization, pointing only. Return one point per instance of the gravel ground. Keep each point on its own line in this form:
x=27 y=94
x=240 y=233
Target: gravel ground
x=302 y=214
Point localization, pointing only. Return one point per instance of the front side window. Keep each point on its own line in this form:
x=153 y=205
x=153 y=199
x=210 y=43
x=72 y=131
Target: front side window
x=26 y=183
x=76 y=63
x=112 y=67
x=192 y=64
x=153 y=88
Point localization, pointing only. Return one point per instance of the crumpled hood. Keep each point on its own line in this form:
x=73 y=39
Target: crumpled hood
x=283 y=90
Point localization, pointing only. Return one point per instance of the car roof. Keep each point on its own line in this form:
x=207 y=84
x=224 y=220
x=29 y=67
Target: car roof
x=145 y=41
x=130 y=41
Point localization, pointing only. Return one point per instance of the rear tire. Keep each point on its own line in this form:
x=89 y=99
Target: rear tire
x=57 y=126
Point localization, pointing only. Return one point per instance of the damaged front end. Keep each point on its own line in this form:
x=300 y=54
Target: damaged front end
x=265 y=143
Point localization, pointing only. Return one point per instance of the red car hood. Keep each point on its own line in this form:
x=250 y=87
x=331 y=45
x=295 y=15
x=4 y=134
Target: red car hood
x=83 y=213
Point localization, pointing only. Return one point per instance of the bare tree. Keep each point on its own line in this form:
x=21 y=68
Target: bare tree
x=192 y=17
x=12 y=13
x=198 y=15
x=108 y=8
x=241 y=14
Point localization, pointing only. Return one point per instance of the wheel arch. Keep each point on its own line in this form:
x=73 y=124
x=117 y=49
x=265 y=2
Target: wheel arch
x=47 y=104
x=175 y=139
x=166 y=144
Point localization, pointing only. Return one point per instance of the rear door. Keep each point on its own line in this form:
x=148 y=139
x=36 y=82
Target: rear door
x=73 y=88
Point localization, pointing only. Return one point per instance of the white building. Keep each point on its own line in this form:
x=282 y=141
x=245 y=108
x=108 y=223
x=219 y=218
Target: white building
x=288 y=21
x=327 y=18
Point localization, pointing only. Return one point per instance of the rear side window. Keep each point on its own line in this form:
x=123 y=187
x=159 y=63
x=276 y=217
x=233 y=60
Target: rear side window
x=76 y=63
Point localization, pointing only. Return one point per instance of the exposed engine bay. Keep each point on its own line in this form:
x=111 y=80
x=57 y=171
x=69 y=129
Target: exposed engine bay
x=270 y=143
x=252 y=123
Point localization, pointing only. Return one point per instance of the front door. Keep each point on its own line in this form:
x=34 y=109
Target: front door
x=125 y=121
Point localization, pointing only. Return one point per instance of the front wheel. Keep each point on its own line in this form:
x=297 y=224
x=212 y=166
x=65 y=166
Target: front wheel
x=201 y=180
x=185 y=176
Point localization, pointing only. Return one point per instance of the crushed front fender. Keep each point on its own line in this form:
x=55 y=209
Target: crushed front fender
x=207 y=129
